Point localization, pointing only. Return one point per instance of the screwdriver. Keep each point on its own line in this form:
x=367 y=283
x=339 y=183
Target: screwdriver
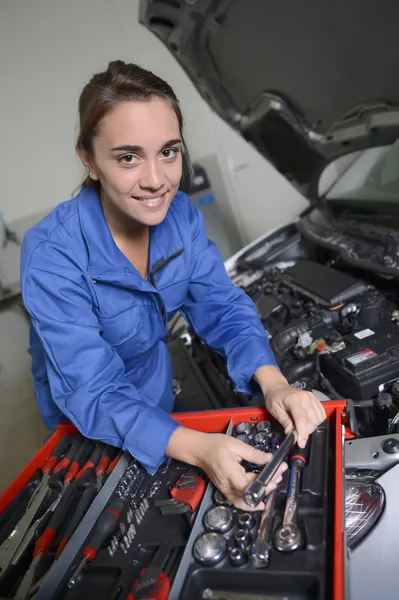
x=89 y=492
x=104 y=527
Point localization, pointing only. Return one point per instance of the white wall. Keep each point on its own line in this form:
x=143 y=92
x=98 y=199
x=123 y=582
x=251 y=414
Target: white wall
x=48 y=50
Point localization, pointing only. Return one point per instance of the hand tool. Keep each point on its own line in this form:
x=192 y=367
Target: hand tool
x=209 y=594
x=245 y=428
x=20 y=534
x=262 y=437
x=210 y=548
x=219 y=519
x=242 y=538
x=260 y=552
x=220 y=498
x=104 y=527
x=186 y=496
x=288 y=537
x=90 y=489
x=107 y=521
x=256 y=491
x=264 y=426
x=237 y=557
x=246 y=521
x=65 y=495
x=154 y=489
x=150 y=576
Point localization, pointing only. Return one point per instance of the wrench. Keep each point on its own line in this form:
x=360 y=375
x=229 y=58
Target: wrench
x=256 y=491
x=288 y=536
x=260 y=551
x=209 y=594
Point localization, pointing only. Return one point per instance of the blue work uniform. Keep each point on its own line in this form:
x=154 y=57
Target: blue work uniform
x=99 y=329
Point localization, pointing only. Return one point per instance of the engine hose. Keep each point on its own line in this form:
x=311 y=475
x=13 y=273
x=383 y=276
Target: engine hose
x=300 y=370
x=286 y=338
x=325 y=383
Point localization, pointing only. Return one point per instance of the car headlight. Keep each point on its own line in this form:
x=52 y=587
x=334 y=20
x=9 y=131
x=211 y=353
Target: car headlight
x=364 y=504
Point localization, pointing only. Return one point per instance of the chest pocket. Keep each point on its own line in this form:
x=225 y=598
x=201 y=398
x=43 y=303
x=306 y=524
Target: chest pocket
x=133 y=330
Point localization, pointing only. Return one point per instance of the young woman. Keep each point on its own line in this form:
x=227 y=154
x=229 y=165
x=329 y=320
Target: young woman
x=103 y=273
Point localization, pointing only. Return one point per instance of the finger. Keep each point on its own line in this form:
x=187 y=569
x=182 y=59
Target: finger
x=284 y=419
x=321 y=410
x=252 y=455
x=303 y=423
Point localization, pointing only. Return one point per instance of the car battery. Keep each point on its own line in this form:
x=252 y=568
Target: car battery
x=153 y=542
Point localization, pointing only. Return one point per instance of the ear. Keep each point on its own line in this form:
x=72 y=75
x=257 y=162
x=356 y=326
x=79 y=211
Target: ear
x=87 y=161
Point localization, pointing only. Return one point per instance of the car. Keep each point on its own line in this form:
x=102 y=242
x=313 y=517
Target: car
x=314 y=88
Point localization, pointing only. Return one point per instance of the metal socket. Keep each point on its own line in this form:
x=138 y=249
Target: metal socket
x=264 y=426
x=238 y=557
x=242 y=538
x=220 y=499
x=244 y=428
x=219 y=519
x=209 y=549
x=246 y=521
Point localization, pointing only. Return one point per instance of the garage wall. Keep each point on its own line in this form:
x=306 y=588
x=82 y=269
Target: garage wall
x=48 y=50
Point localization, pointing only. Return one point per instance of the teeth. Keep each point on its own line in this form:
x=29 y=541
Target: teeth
x=152 y=201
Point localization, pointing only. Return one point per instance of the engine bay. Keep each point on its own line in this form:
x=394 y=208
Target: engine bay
x=333 y=325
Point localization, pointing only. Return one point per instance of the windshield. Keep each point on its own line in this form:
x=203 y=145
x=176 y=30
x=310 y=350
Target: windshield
x=369 y=175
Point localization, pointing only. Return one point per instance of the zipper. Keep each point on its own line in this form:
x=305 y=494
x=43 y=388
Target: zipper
x=160 y=264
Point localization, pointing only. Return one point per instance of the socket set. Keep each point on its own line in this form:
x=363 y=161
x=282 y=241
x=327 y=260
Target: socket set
x=127 y=535
x=283 y=551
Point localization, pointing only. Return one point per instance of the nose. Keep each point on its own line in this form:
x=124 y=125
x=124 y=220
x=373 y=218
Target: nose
x=151 y=176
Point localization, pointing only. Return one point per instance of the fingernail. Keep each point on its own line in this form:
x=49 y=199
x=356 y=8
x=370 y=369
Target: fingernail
x=284 y=467
x=301 y=443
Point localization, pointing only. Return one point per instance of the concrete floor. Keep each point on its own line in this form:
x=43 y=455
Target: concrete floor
x=21 y=427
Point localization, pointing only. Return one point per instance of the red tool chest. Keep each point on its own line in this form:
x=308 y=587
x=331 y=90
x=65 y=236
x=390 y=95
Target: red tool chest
x=322 y=500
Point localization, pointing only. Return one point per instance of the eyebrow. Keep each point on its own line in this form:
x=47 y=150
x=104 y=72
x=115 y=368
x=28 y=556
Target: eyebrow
x=129 y=148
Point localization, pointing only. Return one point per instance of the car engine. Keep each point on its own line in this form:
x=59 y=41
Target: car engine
x=333 y=327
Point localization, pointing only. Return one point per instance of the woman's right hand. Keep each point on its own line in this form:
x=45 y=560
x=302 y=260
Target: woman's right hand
x=220 y=456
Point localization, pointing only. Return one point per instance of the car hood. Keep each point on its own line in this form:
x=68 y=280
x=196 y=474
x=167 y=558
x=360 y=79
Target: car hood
x=304 y=82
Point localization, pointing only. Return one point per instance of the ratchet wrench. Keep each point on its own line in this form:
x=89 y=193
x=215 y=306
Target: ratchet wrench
x=256 y=491
x=288 y=536
x=260 y=551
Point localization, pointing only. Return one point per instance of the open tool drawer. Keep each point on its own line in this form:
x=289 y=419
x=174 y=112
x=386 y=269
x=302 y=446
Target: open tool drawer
x=314 y=572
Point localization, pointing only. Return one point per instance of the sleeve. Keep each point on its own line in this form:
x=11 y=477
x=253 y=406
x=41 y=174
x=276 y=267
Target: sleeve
x=223 y=314
x=86 y=375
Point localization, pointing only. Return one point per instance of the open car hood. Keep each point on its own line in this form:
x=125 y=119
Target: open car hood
x=304 y=82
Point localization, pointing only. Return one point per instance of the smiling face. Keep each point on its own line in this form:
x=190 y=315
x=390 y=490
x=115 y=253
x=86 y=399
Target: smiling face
x=137 y=160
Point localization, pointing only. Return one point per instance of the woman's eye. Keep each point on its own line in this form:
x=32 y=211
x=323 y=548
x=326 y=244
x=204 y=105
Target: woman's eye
x=169 y=153
x=128 y=159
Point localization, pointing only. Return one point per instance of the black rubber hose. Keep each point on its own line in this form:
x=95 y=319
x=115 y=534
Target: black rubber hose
x=300 y=370
x=286 y=339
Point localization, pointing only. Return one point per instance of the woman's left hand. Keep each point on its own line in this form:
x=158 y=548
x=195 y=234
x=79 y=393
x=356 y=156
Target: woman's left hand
x=295 y=409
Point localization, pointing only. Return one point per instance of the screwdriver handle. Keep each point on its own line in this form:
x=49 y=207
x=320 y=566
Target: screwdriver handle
x=69 y=456
x=299 y=456
x=85 y=501
x=105 y=525
x=106 y=459
x=93 y=460
x=56 y=453
x=114 y=463
x=79 y=460
x=45 y=540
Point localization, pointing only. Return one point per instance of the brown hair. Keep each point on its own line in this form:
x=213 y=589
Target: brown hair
x=119 y=83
